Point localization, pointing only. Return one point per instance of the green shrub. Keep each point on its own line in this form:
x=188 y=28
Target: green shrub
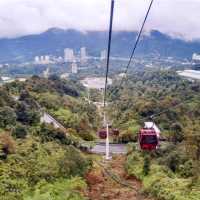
x=20 y=131
x=12 y=189
x=50 y=100
x=161 y=182
x=166 y=188
x=67 y=118
x=73 y=163
x=177 y=133
x=87 y=136
x=48 y=133
x=146 y=166
x=126 y=137
x=69 y=189
x=34 y=163
x=7 y=117
x=134 y=165
x=186 y=169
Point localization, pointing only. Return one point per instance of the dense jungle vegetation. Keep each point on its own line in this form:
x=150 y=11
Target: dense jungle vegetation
x=172 y=171
x=38 y=161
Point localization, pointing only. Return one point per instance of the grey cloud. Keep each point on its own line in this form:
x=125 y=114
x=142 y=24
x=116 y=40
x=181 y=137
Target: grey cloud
x=22 y=17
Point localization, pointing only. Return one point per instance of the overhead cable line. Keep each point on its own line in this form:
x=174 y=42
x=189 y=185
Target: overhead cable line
x=106 y=78
x=135 y=47
x=108 y=52
x=154 y=116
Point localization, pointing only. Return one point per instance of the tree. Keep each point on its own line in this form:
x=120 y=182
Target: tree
x=20 y=131
x=173 y=160
x=73 y=163
x=177 y=133
x=54 y=77
x=49 y=133
x=7 y=145
x=7 y=117
x=192 y=135
x=26 y=115
x=24 y=95
x=5 y=98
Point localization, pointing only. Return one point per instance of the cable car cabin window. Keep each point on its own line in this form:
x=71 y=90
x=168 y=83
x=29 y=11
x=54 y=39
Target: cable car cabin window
x=149 y=139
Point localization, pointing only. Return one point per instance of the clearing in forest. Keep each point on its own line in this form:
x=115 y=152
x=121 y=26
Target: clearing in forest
x=102 y=181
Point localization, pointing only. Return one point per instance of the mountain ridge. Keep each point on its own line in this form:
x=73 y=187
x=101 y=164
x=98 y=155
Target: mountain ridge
x=54 y=40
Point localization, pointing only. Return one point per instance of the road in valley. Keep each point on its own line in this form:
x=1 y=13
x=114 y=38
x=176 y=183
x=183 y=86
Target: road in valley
x=100 y=148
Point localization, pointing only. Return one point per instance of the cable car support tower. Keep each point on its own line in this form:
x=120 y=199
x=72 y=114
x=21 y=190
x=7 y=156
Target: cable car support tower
x=106 y=80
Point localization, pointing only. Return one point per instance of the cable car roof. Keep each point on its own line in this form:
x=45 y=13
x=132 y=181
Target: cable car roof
x=152 y=125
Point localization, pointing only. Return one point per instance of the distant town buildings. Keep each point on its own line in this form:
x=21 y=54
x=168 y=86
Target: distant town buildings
x=190 y=74
x=55 y=59
x=95 y=82
x=64 y=76
x=21 y=79
x=122 y=75
x=196 y=57
x=74 y=67
x=69 y=55
x=6 y=79
x=59 y=59
x=42 y=60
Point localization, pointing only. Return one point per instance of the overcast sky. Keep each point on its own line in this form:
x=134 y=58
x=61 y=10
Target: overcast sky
x=23 y=17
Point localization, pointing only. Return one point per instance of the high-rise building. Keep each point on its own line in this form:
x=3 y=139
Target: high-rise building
x=69 y=55
x=46 y=59
x=37 y=59
x=103 y=55
x=83 y=55
x=41 y=59
x=74 y=67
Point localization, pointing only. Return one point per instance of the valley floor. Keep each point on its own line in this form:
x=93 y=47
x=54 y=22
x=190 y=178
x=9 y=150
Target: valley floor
x=105 y=178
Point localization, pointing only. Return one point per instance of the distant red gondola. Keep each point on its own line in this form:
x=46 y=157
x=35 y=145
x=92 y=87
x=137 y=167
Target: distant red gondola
x=115 y=132
x=102 y=134
x=149 y=136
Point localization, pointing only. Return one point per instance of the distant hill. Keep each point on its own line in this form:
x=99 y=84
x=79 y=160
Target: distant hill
x=55 y=40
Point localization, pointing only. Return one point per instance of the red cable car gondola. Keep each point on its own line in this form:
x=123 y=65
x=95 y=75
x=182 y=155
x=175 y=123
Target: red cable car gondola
x=149 y=136
x=102 y=134
x=115 y=132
